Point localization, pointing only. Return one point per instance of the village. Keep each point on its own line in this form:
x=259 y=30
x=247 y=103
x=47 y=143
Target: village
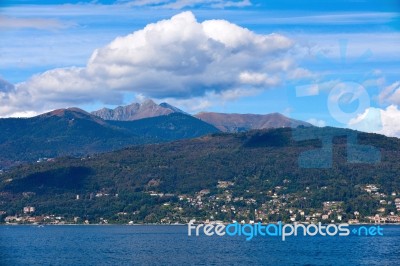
x=219 y=205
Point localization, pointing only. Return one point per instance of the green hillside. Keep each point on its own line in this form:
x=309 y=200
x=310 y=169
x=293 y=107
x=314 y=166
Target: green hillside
x=245 y=172
x=75 y=132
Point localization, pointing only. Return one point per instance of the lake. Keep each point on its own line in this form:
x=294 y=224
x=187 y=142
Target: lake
x=170 y=245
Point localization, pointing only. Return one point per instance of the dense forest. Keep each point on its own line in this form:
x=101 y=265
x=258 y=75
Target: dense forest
x=311 y=165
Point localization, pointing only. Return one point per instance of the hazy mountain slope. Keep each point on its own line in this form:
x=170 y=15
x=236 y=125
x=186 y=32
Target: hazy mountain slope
x=244 y=122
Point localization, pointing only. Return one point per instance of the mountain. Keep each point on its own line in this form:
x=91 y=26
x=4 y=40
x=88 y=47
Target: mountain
x=222 y=176
x=224 y=122
x=136 y=111
x=75 y=132
x=173 y=108
x=245 y=122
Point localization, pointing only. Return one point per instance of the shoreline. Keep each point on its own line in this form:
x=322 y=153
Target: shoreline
x=67 y=224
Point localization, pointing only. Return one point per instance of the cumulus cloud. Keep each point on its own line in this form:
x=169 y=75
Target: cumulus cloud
x=257 y=79
x=381 y=121
x=180 y=4
x=178 y=58
x=211 y=98
x=6 y=86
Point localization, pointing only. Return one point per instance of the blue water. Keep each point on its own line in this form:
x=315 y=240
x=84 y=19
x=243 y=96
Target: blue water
x=170 y=245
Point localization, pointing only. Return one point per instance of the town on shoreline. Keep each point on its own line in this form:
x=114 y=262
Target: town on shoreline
x=221 y=206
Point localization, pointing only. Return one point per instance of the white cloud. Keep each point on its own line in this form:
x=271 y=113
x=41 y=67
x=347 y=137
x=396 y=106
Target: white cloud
x=257 y=79
x=224 y=4
x=316 y=122
x=143 y=2
x=301 y=73
x=382 y=121
x=177 y=58
x=24 y=114
x=195 y=104
x=315 y=88
x=32 y=23
x=5 y=86
x=235 y=94
x=307 y=90
x=336 y=18
x=180 y=4
x=391 y=94
x=210 y=99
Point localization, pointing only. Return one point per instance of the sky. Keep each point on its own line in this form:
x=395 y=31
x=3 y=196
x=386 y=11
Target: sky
x=331 y=63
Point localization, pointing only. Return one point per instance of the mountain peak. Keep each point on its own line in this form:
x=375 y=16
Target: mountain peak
x=148 y=102
x=135 y=111
x=64 y=111
x=244 y=122
x=72 y=113
x=173 y=108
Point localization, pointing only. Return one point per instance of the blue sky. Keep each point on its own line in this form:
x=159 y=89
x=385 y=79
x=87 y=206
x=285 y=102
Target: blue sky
x=299 y=58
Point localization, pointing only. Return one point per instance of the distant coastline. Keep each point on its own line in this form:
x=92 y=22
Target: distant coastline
x=155 y=224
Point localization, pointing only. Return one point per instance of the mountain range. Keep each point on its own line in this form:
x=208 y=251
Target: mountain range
x=225 y=176
x=244 y=122
x=172 y=166
x=224 y=122
x=75 y=132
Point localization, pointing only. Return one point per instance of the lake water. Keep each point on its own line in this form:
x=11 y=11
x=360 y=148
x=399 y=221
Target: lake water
x=170 y=245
